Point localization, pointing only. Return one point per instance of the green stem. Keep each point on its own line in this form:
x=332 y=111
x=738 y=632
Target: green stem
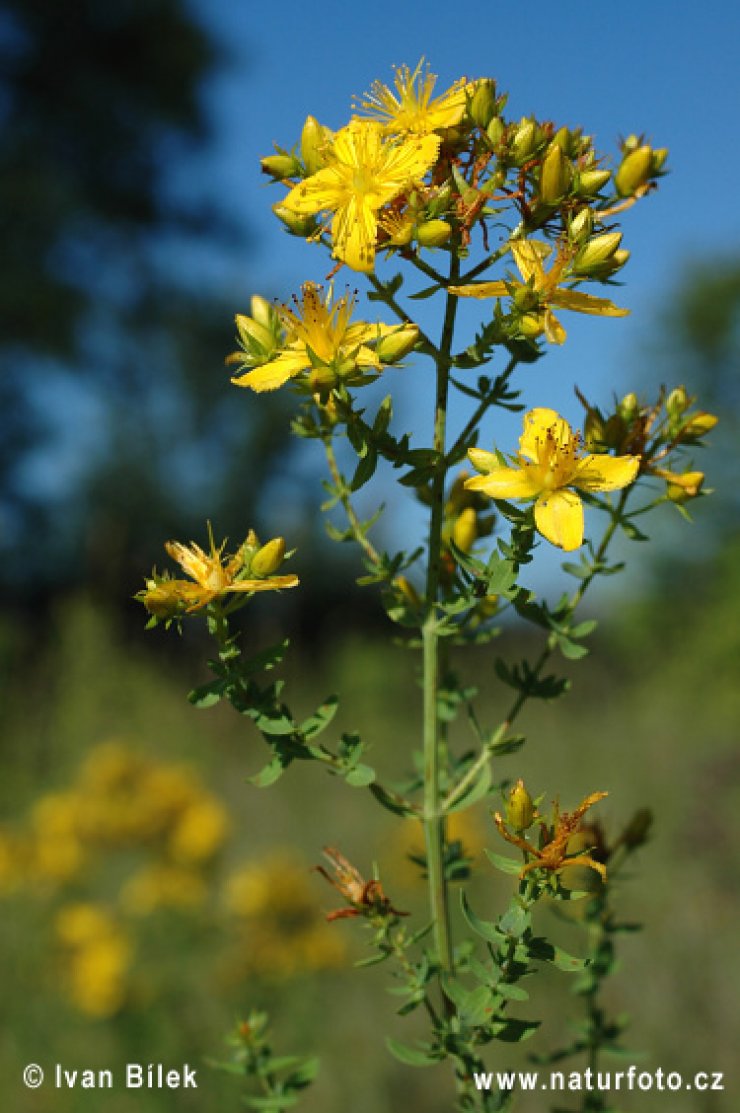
x=340 y=484
x=434 y=821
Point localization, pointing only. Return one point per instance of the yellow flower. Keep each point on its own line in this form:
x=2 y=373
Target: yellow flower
x=547 y=465
x=200 y=832
x=98 y=958
x=411 y=108
x=363 y=172
x=319 y=338
x=529 y=256
x=211 y=576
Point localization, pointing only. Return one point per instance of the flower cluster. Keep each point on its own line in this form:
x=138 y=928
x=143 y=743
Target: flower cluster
x=660 y=433
x=214 y=576
x=132 y=839
x=411 y=172
x=315 y=342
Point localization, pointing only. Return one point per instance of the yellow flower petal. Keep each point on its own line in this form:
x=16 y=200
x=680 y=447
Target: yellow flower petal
x=480 y=290
x=605 y=473
x=554 y=331
x=539 y=425
x=317 y=193
x=528 y=256
x=353 y=233
x=586 y=303
x=504 y=483
x=272 y=583
x=276 y=373
x=558 y=516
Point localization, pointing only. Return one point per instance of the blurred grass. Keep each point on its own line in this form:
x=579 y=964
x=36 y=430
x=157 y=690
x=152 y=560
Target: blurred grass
x=652 y=717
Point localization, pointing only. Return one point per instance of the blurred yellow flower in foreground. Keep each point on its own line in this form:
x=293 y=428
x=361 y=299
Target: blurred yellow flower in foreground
x=277 y=910
x=364 y=171
x=411 y=109
x=546 y=468
x=98 y=956
x=545 y=289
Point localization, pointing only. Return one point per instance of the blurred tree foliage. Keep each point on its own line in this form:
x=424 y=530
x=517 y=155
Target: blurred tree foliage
x=698 y=343
x=118 y=428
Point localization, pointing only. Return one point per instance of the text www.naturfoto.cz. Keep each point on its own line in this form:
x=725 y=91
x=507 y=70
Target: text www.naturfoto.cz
x=589 y=1080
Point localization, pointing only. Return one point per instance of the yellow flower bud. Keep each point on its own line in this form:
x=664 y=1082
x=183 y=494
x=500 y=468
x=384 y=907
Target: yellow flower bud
x=251 y=332
x=525 y=141
x=296 y=224
x=495 y=130
x=434 y=233
x=408 y=591
x=280 y=166
x=465 y=530
x=520 y=809
x=313 y=145
x=525 y=298
x=628 y=407
x=581 y=226
x=555 y=175
x=397 y=344
x=597 y=251
x=677 y=401
x=591 y=181
x=659 y=158
x=483 y=102
x=681 y=485
x=532 y=325
x=268 y=559
x=262 y=311
x=635 y=171
x=699 y=424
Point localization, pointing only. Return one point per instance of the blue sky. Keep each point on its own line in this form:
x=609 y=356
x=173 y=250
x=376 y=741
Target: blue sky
x=667 y=70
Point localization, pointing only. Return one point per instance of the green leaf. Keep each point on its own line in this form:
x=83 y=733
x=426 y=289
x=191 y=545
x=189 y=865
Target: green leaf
x=390 y=801
x=270 y=773
x=207 y=695
x=501 y=575
x=514 y=1031
x=484 y=928
x=572 y=650
x=427 y=292
x=511 y=992
x=410 y=1055
x=321 y=718
x=360 y=777
x=506 y=865
x=303 y=1076
x=267 y=659
x=274 y=1104
x=515 y=921
x=365 y=469
x=541 y=948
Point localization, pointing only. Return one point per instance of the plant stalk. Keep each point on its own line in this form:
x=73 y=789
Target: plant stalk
x=434 y=757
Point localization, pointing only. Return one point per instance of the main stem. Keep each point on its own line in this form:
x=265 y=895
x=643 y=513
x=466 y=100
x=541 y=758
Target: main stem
x=434 y=820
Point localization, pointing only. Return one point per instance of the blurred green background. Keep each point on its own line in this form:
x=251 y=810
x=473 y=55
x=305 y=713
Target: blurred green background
x=149 y=896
